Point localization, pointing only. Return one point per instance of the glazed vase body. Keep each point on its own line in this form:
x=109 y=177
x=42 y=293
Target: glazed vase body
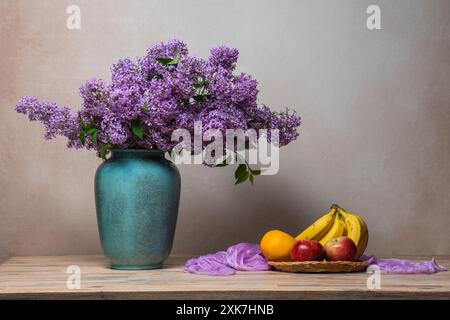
x=137 y=193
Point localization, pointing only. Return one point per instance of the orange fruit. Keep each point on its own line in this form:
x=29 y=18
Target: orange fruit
x=276 y=245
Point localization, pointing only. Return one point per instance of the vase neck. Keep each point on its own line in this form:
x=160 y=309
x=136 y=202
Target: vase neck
x=137 y=153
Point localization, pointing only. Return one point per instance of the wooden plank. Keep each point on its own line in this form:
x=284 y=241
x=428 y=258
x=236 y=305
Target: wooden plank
x=45 y=278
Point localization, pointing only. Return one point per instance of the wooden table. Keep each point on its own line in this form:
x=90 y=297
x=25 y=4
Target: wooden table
x=46 y=278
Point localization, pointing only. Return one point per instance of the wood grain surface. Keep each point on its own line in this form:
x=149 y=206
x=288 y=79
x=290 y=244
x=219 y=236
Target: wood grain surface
x=46 y=277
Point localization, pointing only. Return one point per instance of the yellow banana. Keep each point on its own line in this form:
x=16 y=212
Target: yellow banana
x=356 y=230
x=319 y=228
x=363 y=245
x=338 y=229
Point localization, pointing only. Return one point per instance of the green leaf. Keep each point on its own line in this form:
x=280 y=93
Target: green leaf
x=240 y=170
x=185 y=101
x=92 y=131
x=80 y=119
x=202 y=97
x=201 y=83
x=87 y=129
x=175 y=61
x=164 y=61
x=169 y=61
x=223 y=163
x=104 y=149
x=82 y=136
x=243 y=177
x=256 y=172
x=94 y=137
x=145 y=106
x=199 y=98
x=137 y=129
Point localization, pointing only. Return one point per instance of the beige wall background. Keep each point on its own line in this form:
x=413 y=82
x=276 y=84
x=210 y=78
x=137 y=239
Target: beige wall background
x=375 y=108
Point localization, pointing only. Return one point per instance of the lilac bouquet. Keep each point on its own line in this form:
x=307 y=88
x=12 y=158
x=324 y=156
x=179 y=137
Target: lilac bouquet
x=149 y=98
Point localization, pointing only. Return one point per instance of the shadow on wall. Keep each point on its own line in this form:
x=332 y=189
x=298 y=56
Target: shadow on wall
x=5 y=254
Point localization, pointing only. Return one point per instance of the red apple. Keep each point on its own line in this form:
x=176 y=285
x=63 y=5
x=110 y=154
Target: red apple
x=341 y=249
x=307 y=250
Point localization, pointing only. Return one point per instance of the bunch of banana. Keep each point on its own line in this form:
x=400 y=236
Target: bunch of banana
x=356 y=230
x=335 y=224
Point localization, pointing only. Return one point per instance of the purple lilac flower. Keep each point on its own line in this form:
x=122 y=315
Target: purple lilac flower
x=165 y=90
x=56 y=120
x=224 y=57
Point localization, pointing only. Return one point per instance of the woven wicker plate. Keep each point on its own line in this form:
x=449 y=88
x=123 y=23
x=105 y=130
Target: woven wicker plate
x=320 y=266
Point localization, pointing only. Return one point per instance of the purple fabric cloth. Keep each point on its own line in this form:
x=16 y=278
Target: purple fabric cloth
x=405 y=266
x=242 y=257
x=210 y=264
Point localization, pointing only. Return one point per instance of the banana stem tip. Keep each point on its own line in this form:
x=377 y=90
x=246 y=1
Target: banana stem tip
x=335 y=206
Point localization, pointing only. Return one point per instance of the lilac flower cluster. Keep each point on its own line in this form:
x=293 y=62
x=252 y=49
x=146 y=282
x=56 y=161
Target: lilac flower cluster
x=165 y=90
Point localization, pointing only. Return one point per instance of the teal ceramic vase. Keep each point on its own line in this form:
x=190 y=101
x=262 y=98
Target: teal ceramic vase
x=137 y=193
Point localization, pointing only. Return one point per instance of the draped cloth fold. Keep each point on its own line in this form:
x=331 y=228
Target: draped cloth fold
x=405 y=266
x=242 y=257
